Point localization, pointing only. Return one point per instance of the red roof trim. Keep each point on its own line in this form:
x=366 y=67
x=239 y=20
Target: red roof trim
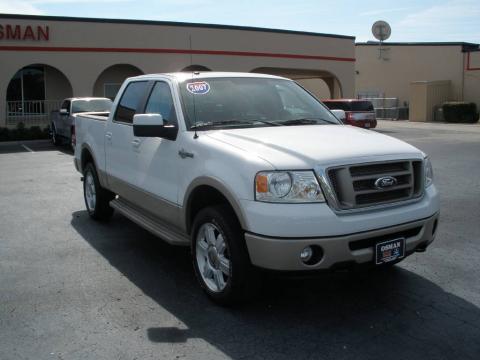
x=173 y=51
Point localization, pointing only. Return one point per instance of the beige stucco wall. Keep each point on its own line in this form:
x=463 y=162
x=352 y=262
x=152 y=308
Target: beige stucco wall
x=115 y=74
x=407 y=64
x=57 y=85
x=472 y=79
x=83 y=68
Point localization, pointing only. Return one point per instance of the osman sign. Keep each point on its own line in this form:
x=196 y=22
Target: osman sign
x=24 y=32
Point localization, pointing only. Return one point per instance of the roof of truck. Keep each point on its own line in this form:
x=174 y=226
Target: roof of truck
x=344 y=100
x=87 y=98
x=181 y=76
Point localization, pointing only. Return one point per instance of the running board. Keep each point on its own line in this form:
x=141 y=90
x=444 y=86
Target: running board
x=148 y=222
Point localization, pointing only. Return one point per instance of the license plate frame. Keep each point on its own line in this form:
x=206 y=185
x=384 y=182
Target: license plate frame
x=390 y=250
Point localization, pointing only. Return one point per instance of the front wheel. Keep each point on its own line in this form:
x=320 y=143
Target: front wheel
x=97 y=199
x=220 y=257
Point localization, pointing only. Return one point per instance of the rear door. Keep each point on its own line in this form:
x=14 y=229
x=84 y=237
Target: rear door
x=120 y=144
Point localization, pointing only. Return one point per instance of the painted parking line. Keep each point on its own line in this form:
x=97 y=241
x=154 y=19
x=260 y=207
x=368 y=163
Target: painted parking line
x=27 y=148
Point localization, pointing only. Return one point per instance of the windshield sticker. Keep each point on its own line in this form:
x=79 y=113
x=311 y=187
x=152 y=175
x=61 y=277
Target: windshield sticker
x=198 y=88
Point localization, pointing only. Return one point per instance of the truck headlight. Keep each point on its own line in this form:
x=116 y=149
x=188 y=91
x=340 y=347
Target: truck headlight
x=428 y=172
x=288 y=187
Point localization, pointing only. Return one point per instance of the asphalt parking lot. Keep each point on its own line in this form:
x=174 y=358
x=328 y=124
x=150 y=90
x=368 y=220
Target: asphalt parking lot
x=71 y=288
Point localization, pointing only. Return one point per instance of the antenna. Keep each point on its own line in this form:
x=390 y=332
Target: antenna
x=381 y=30
x=195 y=135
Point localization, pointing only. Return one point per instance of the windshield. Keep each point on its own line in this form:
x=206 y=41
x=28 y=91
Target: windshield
x=93 y=105
x=350 y=105
x=247 y=102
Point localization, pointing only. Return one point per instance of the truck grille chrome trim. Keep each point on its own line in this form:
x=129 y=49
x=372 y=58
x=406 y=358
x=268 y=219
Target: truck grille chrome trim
x=365 y=185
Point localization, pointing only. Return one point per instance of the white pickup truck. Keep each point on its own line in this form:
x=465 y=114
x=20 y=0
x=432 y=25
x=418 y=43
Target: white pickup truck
x=253 y=172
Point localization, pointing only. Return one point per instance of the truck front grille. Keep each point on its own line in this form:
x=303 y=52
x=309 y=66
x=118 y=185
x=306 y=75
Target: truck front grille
x=363 y=185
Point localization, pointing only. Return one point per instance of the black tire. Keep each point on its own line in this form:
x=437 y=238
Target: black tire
x=55 y=139
x=244 y=279
x=99 y=210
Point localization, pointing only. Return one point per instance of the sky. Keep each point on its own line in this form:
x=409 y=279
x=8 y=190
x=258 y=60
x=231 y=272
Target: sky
x=428 y=20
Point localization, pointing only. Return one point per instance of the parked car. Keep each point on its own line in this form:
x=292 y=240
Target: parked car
x=218 y=162
x=357 y=112
x=61 y=122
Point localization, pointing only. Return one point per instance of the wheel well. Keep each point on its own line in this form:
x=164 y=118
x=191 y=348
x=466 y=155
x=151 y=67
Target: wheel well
x=86 y=158
x=202 y=197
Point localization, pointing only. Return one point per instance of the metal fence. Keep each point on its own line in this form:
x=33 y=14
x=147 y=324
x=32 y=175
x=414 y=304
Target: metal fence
x=31 y=113
x=387 y=108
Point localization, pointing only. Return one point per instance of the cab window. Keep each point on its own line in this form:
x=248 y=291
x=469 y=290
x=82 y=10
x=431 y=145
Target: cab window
x=66 y=105
x=130 y=101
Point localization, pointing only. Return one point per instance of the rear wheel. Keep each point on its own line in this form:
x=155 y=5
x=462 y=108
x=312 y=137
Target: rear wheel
x=97 y=199
x=220 y=257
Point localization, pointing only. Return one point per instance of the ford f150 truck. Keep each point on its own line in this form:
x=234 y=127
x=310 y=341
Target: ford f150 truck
x=61 y=122
x=253 y=173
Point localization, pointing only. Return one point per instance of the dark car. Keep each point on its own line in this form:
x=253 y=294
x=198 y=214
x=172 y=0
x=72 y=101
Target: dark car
x=358 y=112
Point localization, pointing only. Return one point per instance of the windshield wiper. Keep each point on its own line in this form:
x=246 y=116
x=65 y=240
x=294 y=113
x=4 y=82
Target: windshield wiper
x=200 y=125
x=230 y=122
x=305 y=121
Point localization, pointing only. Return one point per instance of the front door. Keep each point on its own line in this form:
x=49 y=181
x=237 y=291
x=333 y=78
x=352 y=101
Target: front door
x=157 y=165
x=61 y=125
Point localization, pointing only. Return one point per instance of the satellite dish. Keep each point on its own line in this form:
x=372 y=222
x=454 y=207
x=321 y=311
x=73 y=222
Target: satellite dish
x=381 y=30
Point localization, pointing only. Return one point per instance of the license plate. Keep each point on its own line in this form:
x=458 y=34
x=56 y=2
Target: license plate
x=367 y=125
x=390 y=250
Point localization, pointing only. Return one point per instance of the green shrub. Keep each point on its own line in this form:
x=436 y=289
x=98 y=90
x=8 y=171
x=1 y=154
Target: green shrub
x=23 y=133
x=4 y=134
x=460 y=112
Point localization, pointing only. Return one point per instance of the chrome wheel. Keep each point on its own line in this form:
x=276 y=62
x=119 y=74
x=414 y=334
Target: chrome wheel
x=90 y=192
x=212 y=257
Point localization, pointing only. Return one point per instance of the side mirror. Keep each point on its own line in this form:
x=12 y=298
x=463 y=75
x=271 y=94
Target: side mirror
x=339 y=114
x=63 y=112
x=152 y=125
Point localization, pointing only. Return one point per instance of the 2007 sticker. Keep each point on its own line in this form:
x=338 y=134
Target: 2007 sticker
x=198 y=87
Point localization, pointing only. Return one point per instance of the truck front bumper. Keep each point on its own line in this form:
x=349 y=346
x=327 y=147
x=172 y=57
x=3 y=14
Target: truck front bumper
x=283 y=254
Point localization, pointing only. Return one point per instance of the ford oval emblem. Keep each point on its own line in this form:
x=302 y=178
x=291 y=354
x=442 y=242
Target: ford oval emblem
x=385 y=182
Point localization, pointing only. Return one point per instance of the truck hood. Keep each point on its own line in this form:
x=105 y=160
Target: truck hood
x=307 y=146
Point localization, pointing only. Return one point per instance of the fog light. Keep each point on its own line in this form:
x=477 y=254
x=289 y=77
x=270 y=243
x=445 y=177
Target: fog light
x=306 y=254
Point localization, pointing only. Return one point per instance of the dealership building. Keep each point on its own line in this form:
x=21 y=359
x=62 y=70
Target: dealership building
x=417 y=76
x=45 y=59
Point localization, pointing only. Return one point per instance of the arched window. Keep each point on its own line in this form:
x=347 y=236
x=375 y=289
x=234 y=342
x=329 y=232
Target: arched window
x=27 y=85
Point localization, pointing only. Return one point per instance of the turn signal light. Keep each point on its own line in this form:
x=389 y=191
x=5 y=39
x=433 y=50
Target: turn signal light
x=261 y=183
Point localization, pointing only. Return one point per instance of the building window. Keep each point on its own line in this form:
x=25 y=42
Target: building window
x=111 y=90
x=26 y=91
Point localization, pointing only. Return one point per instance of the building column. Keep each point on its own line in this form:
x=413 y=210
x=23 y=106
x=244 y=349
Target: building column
x=4 y=81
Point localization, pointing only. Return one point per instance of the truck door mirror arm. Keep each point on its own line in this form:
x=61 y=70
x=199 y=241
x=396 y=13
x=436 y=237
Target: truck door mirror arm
x=153 y=125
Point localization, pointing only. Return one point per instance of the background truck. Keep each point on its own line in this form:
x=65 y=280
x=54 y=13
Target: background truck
x=358 y=112
x=61 y=121
x=253 y=172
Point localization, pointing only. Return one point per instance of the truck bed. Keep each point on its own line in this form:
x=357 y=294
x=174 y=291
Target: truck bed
x=90 y=131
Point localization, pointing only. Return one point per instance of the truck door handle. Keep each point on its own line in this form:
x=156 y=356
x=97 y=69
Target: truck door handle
x=136 y=143
x=108 y=135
